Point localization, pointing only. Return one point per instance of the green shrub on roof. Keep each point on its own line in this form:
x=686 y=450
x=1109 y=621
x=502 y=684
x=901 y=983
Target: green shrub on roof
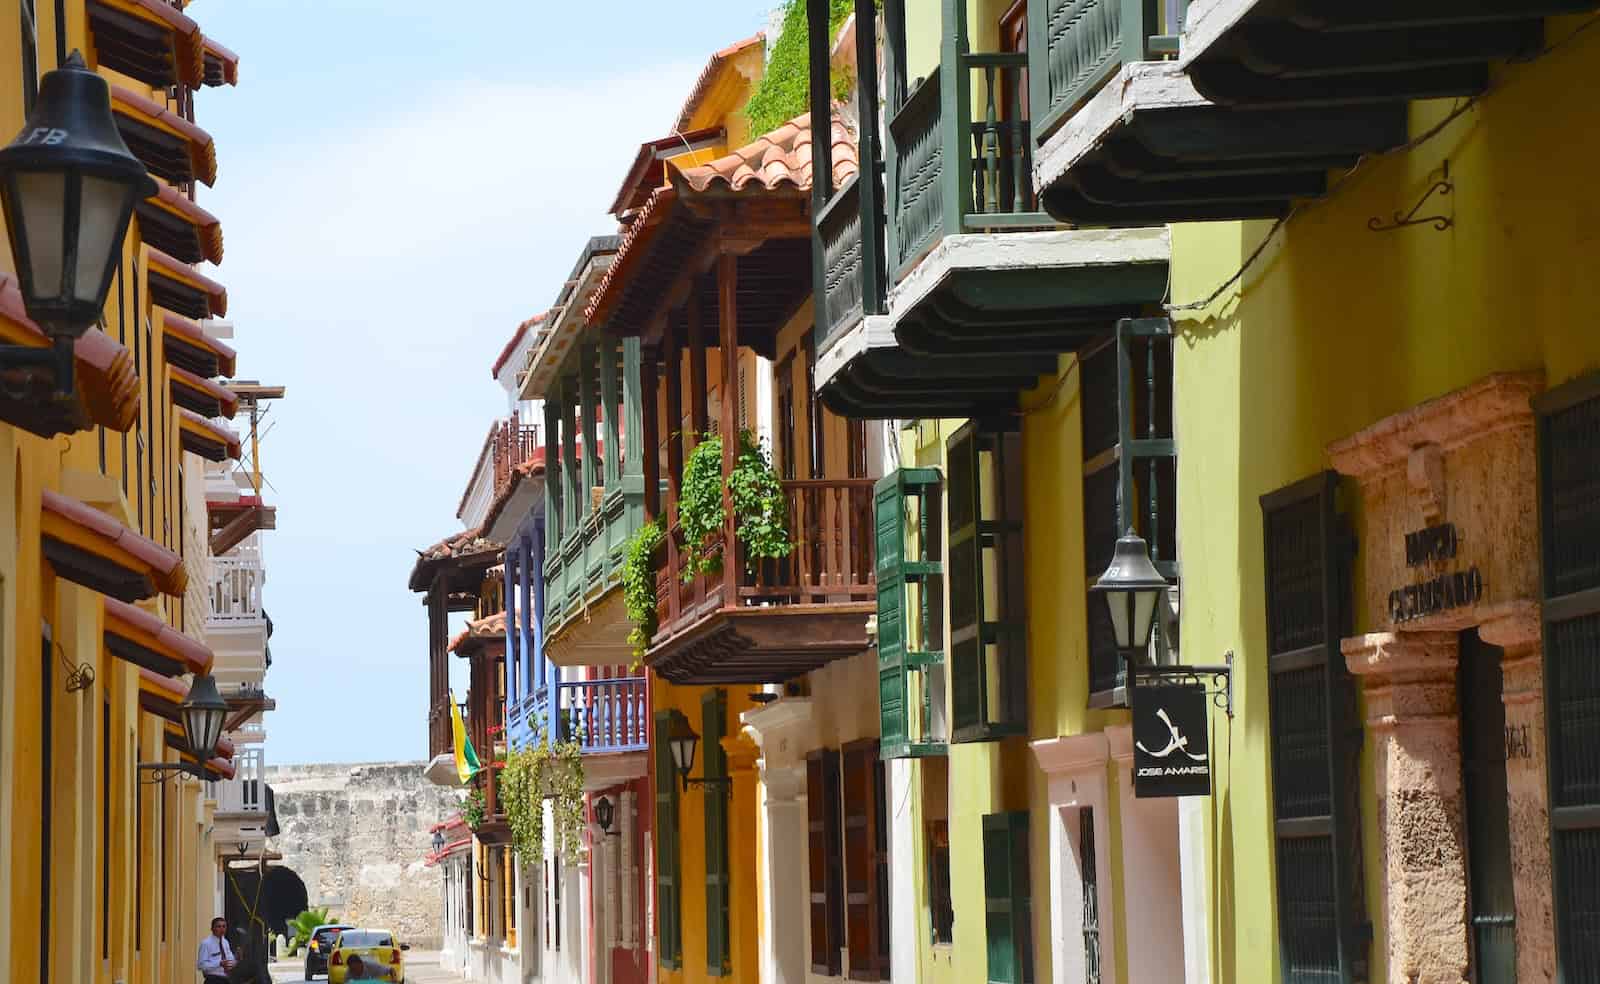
x=782 y=93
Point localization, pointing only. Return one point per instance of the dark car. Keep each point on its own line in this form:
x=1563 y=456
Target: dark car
x=322 y=940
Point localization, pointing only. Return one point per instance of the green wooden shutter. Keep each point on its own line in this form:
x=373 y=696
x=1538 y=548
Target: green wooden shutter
x=1316 y=735
x=669 y=935
x=910 y=607
x=1569 y=480
x=1008 y=904
x=865 y=899
x=713 y=710
x=988 y=641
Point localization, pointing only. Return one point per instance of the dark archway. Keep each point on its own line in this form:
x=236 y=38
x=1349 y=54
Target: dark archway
x=282 y=896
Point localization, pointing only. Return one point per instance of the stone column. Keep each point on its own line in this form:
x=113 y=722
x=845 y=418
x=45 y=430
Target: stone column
x=1413 y=724
x=1519 y=634
x=782 y=730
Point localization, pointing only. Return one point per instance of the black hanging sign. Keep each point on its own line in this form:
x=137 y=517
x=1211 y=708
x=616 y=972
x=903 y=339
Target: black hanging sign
x=1171 y=749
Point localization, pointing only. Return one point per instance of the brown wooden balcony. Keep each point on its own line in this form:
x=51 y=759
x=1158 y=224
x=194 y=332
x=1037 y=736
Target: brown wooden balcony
x=776 y=619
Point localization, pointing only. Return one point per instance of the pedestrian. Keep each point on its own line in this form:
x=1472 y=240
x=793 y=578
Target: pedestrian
x=216 y=954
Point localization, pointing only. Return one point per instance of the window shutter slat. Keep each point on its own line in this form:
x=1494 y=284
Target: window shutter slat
x=825 y=861
x=1315 y=732
x=713 y=708
x=863 y=902
x=890 y=534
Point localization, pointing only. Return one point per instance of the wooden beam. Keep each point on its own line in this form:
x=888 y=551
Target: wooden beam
x=674 y=372
x=650 y=435
x=699 y=411
x=728 y=337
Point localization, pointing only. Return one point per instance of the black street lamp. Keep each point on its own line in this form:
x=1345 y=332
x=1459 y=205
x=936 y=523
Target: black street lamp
x=202 y=715
x=683 y=740
x=68 y=185
x=604 y=815
x=1133 y=590
x=438 y=843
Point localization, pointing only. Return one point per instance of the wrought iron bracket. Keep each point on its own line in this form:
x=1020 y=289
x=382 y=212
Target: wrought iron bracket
x=160 y=772
x=726 y=782
x=1442 y=187
x=1217 y=678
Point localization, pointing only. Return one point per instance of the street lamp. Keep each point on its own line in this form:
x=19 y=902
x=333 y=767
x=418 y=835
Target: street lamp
x=683 y=740
x=438 y=842
x=604 y=815
x=202 y=714
x=1132 y=588
x=68 y=185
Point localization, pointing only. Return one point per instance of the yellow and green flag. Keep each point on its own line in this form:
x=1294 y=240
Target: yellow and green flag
x=466 y=759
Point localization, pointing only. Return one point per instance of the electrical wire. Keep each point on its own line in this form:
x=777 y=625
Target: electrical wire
x=1460 y=109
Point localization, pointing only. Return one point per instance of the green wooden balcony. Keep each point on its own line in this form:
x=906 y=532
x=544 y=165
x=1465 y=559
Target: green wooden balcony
x=1082 y=44
x=846 y=257
x=960 y=156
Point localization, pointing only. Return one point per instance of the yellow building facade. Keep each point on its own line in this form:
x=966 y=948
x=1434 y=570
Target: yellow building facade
x=106 y=875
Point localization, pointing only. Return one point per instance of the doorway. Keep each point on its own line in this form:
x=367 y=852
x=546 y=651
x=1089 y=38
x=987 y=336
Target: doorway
x=1491 y=901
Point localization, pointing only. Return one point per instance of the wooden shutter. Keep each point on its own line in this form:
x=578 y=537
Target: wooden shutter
x=713 y=711
x=1569 y=472
x=988 y=642
x=1008 y=908
x=866 y=901
x=824 y=861
x=910 y=606
x=1316 y=735
x=669 y=941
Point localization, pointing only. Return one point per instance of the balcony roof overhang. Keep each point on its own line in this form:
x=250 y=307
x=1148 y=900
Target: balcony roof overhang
x=179 y=287
x=201 y=395
x=189 y=346
x=176 y=226
x=455 y=564
x=750 y=645
x=566 y=321
x=88 y=547
x=148 y=40
x=171 y=147
x=211 y=441
x=594 y=630
x=1149 y=148
x=135 y=635
x=1308 y=53
x=221 y=65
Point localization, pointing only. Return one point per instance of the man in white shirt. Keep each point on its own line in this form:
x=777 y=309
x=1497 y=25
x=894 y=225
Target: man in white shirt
x=216 y=956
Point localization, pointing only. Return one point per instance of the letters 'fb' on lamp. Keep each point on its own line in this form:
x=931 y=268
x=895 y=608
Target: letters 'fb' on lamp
x=1132 y=588
x=68 y=185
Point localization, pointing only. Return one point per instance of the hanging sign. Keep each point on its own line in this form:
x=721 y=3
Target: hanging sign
x=1171 y=749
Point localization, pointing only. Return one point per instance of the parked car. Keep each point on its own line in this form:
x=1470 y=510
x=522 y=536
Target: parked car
x=321 y=944
x=374 y=951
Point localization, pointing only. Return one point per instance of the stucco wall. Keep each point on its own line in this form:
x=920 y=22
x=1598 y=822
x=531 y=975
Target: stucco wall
x=356 y=835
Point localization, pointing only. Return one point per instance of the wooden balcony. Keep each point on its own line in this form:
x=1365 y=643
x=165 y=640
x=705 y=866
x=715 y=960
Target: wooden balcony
x=776 y=619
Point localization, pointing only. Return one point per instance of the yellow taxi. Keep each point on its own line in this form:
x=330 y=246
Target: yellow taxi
x=367 y=955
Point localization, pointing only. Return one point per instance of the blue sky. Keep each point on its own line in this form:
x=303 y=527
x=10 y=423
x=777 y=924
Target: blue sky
x=400 y=184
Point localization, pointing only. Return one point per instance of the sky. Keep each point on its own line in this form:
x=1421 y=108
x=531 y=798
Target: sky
x=400 y=184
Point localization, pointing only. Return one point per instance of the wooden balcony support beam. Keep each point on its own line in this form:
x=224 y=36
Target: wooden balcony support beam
x=571 y=510
x=699 y=413
x=646 y=415
x=728 y=338
x=611 y=398
x=674 y=373
x=589 y=370
x=554 y=473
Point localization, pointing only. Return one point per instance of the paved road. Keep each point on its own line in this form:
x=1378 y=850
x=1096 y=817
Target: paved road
x=422 y=967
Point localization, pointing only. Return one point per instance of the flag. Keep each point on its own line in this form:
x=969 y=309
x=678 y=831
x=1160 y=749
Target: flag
x=466 y=759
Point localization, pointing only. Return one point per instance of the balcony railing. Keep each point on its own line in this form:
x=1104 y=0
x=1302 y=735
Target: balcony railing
x=605 y=715
x=951 y=173
x=1086 y=42
x=590 y=557
x=845 y=255
x=238 y=795
x=515 y=443
x=830 y=558
x=236 y=589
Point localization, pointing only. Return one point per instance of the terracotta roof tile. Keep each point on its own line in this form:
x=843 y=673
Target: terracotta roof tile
x=147 y=629
x=479 y=632
x=776 y=159
x=533 y=467
x=511 y=346
x=709 y=75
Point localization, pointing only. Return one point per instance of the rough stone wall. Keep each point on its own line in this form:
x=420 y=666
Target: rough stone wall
x=357 y=835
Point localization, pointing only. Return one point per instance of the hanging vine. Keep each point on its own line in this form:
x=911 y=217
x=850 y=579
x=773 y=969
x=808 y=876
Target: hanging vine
x=472 y=808
x=639 y=586
x=761 y=515
x=543 y=770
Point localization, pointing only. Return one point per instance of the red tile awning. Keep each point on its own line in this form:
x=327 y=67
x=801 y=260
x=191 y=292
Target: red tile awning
x=200 y=436
x=178 y=287
x=201 y=395
x=135 y=635
x=148 y=40
x=170 y=146
x=86 y=546
x=481 y=634
x=222 y=65
x=178 y=227
x=187 y=345
x=107 y=389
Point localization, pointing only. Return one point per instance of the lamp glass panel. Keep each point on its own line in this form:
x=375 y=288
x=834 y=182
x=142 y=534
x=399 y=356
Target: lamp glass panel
x=683 y=754
x=41 y=204
x=1144 y=607
x=203 y=726
x=100 y=228
x=1118 y=603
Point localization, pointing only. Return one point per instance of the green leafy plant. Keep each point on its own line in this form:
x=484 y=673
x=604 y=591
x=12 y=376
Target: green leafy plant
x=639 y=586
x=473 y=808
x=544 y=770
x=759 y=510
x=304 y=924
x=782 y=93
